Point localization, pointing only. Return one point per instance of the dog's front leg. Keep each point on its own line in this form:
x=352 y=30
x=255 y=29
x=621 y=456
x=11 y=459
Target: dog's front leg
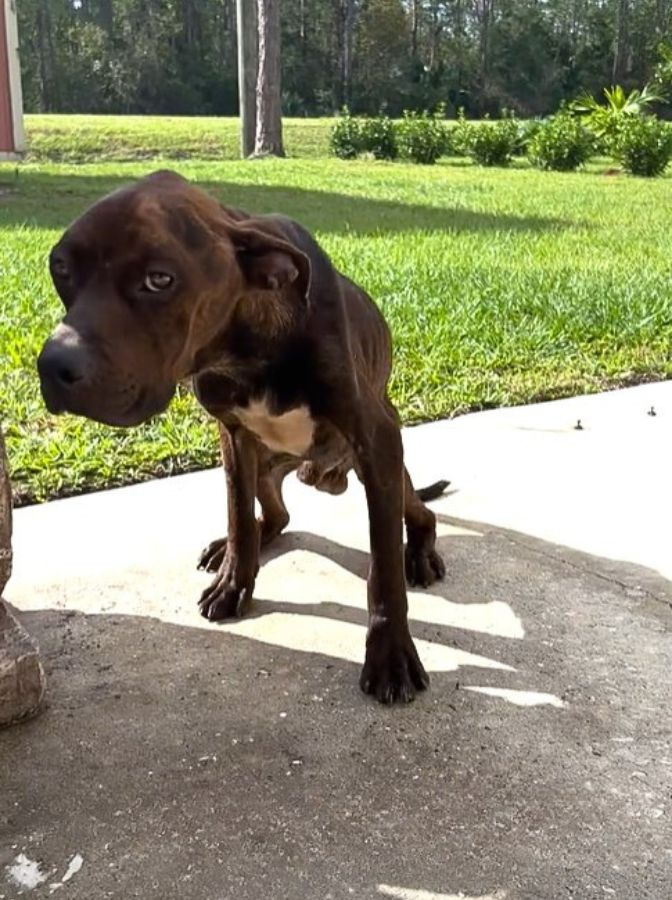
x=392 y=668
x=231 y=591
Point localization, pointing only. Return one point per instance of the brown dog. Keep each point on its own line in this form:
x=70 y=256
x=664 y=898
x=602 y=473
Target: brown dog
x=161 y=283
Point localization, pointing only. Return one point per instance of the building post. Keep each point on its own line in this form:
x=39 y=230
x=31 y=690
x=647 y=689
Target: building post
x=12 y=137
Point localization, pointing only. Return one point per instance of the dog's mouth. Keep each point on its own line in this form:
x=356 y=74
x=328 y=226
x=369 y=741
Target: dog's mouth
x=147 y=403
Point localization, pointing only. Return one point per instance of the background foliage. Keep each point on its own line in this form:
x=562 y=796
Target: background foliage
x=179 y=56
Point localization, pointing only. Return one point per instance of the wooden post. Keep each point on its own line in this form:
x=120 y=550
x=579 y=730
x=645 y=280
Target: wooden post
x=246 y=21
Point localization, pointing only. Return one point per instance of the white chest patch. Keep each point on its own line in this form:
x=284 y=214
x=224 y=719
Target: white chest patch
x=291 y=432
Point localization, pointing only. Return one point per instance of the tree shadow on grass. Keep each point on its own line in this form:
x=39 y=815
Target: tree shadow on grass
x=41 y=200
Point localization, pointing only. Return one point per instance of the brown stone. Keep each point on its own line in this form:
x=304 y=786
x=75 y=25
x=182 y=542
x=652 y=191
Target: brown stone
x=21 y=674
x=22 y=679
x=5 y=520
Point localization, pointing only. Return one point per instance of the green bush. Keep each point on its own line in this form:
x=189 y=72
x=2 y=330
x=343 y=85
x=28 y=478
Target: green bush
x=350 y=136
x=421 y=137
x=459 y=135
x=645 y=146
x=489 y=143
x=379 y=138
x=562 y=144
x=345 y=138
x=526 y=131
x=448 y=148
x=606 y=121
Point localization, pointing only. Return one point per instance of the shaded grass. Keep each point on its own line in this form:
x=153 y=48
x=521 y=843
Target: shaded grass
x=500 y=287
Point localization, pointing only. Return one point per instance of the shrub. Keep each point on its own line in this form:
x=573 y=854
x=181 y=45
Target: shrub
x=448 y=148
x=562 y=144
x=459 y=136
x=489 y=143
x=645 y=146
x=607 y=121
x=526 y=131
x=349 y=137
x=421 y=137
x=346 y=136
x=379 y=138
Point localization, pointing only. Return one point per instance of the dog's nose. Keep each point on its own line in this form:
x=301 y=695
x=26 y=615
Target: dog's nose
x=60 y=365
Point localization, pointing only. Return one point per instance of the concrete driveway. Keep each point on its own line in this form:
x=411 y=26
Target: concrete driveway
x=180 y=759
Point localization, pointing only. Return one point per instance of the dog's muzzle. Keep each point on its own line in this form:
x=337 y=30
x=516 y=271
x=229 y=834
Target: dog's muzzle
x=72 y=381
x=62 y=366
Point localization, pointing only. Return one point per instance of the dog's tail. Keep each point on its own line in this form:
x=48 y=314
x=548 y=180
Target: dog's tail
x=433 y=491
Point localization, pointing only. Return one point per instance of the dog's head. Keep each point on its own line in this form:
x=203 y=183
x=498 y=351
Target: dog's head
x=150 y=276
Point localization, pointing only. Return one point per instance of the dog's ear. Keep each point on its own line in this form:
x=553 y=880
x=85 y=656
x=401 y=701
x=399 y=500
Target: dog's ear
x=269 y=262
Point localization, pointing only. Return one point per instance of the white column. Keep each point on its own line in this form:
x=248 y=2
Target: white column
x=15 y=75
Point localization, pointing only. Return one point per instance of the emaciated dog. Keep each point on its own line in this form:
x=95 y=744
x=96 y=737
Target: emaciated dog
x=161 y=283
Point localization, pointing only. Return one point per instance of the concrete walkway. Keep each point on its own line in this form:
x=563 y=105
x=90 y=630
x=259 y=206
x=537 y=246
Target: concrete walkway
x=180 y=759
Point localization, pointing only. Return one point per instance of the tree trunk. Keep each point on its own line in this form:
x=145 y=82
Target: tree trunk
x=620 y=41
x=435 y=32
x=346 y=13
x=484 y=16
x=45 y=41
x=268 y=140
x=414 y=29
x=348 y=35
x=247 y=74
x=459 y=32
x=106 y=16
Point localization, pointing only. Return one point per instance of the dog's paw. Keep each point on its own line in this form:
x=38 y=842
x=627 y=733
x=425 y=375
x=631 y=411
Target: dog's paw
x=212 y=557
x=423 y=566
x=392 y=669
x=229 y=595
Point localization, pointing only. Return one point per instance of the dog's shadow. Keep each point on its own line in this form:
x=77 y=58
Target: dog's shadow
x=355 y=561
x=495 y=609
x=444 y=614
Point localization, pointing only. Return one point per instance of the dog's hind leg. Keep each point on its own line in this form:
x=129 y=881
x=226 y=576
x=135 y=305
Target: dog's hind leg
x=423 y=564
x=274 y=516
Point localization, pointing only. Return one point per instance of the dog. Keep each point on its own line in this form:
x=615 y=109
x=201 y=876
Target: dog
x=160 y=284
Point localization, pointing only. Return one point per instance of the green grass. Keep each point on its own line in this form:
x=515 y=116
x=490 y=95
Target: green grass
x=500 y=286
x=57 y=138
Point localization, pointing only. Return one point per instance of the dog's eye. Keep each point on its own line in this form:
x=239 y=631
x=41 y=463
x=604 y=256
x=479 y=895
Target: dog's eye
x=59 y=267
x=157 y=281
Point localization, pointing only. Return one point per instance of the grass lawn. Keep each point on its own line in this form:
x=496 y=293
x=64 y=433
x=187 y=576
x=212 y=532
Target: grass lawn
x=500 y=286
x=55 y=138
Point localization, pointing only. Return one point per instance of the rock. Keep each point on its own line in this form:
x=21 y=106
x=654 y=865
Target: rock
x=22 y=680
x=5 y=520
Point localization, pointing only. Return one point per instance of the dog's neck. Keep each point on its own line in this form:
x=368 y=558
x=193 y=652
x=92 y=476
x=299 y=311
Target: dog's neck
x=262 y=326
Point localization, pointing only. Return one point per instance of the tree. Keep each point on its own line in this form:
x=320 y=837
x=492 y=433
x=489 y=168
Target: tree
x=347 y=12
x=268 y=140
x=246 y=28
x=179 y=56
x=379 y=77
